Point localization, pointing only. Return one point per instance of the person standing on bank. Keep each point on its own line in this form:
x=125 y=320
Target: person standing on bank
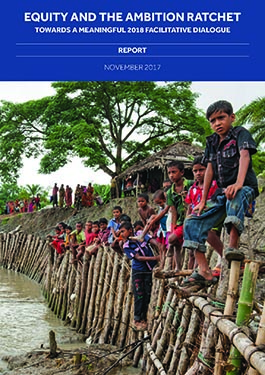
x=55 y=195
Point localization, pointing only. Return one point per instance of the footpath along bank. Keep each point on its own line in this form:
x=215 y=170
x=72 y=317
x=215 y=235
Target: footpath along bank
x=188 y=333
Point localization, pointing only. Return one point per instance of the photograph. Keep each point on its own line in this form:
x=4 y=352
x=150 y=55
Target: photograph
x=107 y=264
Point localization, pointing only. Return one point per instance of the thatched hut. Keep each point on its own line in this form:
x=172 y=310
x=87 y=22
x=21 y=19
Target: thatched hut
x=150 y=173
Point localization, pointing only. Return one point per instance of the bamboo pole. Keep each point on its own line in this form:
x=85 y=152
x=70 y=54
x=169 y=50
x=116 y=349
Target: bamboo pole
x=160 y=297
x=119 y=302
x=173 y=334
x=158 y=326
x=189 y=342
x=231 y=299
x=100 y=286
x=65 y=288
x=110 y=304
x=245 y=305
x=180 y=338
x=83 y=290
x=88 y=292
x=155 y=360
x=70 y=291
x=104 y=297
x=22 y=243
x=260 y=339
x=125 y=319
x=228 y=328
x=92 y=301
x=139 y=351
x=167 y=326
x=62 y=281
x=77 y=295
x=161 y=274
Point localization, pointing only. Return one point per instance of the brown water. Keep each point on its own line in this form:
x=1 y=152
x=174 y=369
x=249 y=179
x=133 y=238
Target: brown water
x=25 y=320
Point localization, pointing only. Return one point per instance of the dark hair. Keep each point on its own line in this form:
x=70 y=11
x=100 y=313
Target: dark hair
x=69 y=227
x=127 y=225
x=103 y=220
x=220 y=105
x=145 y=196
x=96 y=222
x=57 y=228
x=125 y=217
x=138 y=222
x=79 y=223
x=176 y=163
x=117 y=208
x=90 y=221
x=62 y=224
x=159 y=194
x=199 y=160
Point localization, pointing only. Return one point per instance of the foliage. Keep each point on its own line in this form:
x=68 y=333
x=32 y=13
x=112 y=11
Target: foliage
x=258 y=161
x=254 y=114
x=11 y=192
x=108 y=125
x=103 y=191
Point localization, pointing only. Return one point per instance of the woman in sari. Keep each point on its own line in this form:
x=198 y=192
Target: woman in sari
x=68 y=196
x=61 y=196
x=89 y=194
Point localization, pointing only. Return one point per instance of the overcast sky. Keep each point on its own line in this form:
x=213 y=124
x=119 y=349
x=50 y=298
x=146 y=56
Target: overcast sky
x=238 y=93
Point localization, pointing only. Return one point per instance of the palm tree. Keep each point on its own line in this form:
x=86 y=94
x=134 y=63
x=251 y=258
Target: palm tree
x=254 y=114
x=34 y=189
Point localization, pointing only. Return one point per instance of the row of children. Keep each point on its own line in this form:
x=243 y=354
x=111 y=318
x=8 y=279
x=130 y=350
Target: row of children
x=23 y=205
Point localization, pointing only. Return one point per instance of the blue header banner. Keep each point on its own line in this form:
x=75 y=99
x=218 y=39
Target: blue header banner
x=151 y=40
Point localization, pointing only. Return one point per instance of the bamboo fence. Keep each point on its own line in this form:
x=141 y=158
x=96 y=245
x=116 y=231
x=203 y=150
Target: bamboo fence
x=188 y=333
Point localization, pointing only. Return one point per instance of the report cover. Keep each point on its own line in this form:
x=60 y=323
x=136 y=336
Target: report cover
x=195 y=40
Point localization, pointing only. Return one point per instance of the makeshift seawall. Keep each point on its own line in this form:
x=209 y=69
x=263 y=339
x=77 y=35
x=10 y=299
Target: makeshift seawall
x=96 y=299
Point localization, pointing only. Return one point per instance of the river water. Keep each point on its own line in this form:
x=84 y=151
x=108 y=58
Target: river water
x=25 y=320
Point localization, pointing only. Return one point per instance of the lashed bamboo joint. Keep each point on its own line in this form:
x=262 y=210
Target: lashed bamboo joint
x=96 y=299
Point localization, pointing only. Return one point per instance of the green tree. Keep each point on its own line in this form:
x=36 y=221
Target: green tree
x=109 y=125
x=34 y=189
x=254 y=115
x=8 y=192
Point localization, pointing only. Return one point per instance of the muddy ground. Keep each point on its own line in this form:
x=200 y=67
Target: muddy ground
x=94 y=359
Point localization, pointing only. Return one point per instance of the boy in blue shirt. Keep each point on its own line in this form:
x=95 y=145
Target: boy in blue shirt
x=114 y=223
x=228 y=157
x=143 y=262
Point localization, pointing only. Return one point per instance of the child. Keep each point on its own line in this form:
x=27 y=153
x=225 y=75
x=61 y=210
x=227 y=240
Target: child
x=175 y=201
x=91 y=232
x=77 y=241
x=66 y=244
x=114 y=224
x=228 y=157
x=193 y=198
x=145 y=211
x=103 y=236
x=138 y=226
x=117 y=244
x=143 y=262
